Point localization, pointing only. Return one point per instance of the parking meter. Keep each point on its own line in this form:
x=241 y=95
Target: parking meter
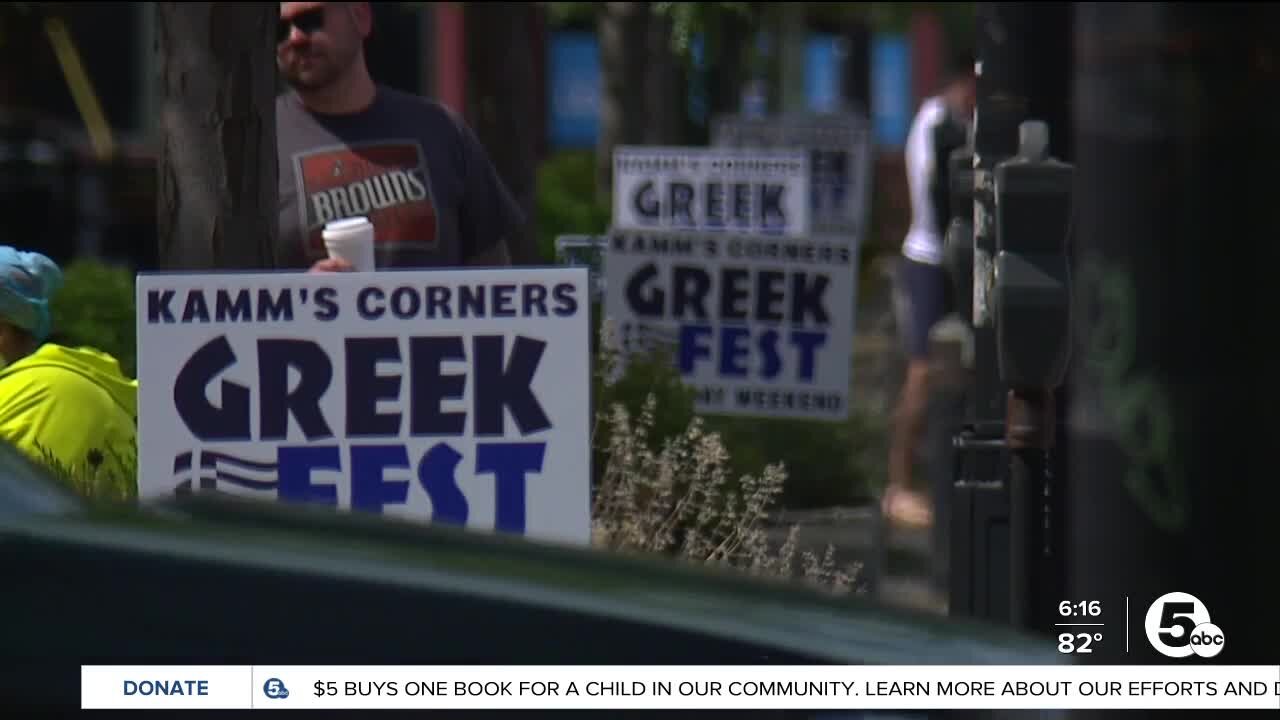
x=1031 y=295
x=1031 y=313
x=957 y=243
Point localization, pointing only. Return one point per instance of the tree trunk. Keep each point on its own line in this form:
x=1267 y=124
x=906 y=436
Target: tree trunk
x=217 y=170
x=792 y=32
x=502 y=94
x=663 y=101
x=730 y=41
x=624 y=51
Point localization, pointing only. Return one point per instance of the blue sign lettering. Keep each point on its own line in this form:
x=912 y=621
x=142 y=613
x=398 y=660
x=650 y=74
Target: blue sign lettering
x=509 y=463
x=370 y=491
x=688 y=295
x=501 y=385
x=228 y=307
x=736 y=343
x=469 y=301
x=277 y=402
x=500 y=300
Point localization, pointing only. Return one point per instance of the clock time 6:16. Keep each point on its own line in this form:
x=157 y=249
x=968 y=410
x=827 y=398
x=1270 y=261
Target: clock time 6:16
x=1080 y=608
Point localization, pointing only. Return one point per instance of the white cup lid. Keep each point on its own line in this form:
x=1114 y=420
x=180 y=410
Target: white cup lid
x=347 y=223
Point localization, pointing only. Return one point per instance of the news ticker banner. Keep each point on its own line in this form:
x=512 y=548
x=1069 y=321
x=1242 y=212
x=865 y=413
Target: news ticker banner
x=457 y=397
x=594 y=687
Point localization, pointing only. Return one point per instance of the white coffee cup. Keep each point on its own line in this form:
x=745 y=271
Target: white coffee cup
x=351 y=239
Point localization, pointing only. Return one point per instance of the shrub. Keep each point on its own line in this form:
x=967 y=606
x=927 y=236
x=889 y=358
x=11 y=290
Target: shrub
x=567 y=202
x=652 y=375
x=677 y=494
x=827 y=463
x=95 y=308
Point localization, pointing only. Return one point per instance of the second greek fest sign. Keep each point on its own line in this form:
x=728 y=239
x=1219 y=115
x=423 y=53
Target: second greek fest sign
x=840 y=162
x=758 y=327
x=755 y=314
x=458 y=397
x=719 y=191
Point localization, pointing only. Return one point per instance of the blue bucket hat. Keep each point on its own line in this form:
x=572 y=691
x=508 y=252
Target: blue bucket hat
x=28 y=281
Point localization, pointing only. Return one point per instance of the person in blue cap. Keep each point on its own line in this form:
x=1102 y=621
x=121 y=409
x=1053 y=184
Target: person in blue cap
x=72 y=406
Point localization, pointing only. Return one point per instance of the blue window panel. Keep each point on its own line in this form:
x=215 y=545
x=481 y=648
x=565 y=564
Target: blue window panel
x=574 y=88
x=891 y=106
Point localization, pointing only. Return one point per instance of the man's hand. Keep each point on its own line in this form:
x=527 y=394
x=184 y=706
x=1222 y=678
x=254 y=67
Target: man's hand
x=331 y=265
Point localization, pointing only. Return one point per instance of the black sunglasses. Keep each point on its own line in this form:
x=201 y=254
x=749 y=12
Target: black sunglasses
x=307 y=21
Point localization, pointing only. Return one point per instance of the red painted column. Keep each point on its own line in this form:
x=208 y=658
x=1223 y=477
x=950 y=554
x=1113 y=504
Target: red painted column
x=926 y=54
x=451 y=49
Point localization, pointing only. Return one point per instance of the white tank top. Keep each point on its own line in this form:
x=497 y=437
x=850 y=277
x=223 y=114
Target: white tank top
x=923 y=242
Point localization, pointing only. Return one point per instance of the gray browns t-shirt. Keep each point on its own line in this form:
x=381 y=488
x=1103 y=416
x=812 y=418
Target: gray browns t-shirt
x=407 y=163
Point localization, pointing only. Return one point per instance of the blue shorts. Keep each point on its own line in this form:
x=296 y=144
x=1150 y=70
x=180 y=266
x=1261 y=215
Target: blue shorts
x=922 y=297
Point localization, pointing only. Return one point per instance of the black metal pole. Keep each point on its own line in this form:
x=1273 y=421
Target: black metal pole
x=978 y=583
x=1030 y=429
x=1002 y=106
x=1032 y=417
x=1171 y=487
x=1024 y=55
x=1051 y=98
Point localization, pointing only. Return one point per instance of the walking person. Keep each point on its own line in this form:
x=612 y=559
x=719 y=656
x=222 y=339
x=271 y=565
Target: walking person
x=923 y=293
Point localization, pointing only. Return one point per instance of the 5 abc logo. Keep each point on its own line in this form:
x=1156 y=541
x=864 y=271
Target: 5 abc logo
x=1178 y=626
x=275 y=689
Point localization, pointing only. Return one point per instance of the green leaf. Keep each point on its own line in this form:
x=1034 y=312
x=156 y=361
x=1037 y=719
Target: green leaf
x=95 y=308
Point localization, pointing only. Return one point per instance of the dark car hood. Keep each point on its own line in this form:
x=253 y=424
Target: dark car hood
x=655 y=591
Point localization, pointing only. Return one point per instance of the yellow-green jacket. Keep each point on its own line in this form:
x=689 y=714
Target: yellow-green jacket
x=72 y=403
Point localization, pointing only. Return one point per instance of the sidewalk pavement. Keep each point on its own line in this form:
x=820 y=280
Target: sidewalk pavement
x=895 y=572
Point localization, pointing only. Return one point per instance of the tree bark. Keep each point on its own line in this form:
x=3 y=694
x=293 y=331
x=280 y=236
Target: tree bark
x=624 y=48
x=662 y=101
x=217 y=172
x=503 y=87
x=731 y=40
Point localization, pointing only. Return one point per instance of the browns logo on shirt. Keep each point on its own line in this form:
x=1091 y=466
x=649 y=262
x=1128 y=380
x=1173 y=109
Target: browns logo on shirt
x=382 y=181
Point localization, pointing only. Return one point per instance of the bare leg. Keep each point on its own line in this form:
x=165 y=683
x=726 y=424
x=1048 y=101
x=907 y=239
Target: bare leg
x=901 y=504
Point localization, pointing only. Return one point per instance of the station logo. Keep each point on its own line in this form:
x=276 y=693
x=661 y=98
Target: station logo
x=1178 y=626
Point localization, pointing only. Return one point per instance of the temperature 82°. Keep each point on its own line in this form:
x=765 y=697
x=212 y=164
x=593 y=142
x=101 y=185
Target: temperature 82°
x=1078 y=642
